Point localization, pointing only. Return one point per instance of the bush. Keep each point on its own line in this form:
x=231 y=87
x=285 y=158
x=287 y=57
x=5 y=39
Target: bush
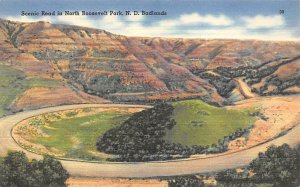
x=236 y=184
x=17 y=171
x=223 y=84
x=222 y=145
x=71 y=114
x=185 y=181
x=278 y=164
x=140 y=138
x=231 y=175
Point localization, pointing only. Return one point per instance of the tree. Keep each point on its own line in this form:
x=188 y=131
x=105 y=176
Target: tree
x=17 y=171
x=278 y=165
x=185 y=181
x=140 y=138
x=15 y=168
x=54 y=173
x=236 y=184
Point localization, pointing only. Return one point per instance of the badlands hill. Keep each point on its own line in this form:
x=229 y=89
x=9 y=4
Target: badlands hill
x=49 y=64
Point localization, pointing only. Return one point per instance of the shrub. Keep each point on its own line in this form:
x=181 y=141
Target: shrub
x=140 y=138
x=278 y=164
x=16 y=170
x=185 y=181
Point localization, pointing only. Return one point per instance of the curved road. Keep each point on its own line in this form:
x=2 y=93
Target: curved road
x=244 y=88
x=144 y=169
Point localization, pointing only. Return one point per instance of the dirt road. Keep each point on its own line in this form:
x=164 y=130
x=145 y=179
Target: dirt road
x=139 y=170
x=244 y=89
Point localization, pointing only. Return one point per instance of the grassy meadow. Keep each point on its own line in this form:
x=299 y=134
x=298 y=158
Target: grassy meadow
x=198 y=123
x=75 y=137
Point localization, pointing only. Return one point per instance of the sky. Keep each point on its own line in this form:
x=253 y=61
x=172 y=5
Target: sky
x=207 y=19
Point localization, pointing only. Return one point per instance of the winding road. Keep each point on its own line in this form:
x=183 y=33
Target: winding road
x=244 y=89
x=144 y=169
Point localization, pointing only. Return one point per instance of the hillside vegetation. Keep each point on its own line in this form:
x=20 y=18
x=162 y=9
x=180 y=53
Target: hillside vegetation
x=68 y=134
x=198 y=123
x=17 y=170
x=137 y=69
x=14 y=82
x=277 y=166
x=177 y=130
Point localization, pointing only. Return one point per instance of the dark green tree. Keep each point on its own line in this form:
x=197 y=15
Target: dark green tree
x=15 y=165
x=17 y=171
x=140 y=138
x=185 y=181
x=278 y=165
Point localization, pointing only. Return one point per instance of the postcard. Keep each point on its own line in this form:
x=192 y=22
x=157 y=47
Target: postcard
x=150 y=93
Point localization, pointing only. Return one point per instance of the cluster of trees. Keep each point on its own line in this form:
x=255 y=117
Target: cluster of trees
x=280 y=84
x=279 y=166
x=57 y=54
x=222 y=144
x=194 y=181
x=17 y=171
x=260 y=115
x=255 y=74
x=140 y=138
x=231 y=176
x=232 y=72
x=248 y=72
x=185 y=181
x=223 y=85
x=252 y=72
x=110 y=54
x=97 y=85
x=102 y=84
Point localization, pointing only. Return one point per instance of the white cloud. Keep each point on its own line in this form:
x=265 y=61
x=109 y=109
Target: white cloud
x=196 y=19
x=260 y=21
x=225 y=33
x=110 y=23
x=28 y=19
x=241 y=33
x=137 y=29
x=135 y=18
x=79 y=20
x=74 y=20
x=135 y=26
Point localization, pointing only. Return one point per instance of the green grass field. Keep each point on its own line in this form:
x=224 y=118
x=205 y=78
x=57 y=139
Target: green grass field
x=40 y=82
x=199 y=123
x=76 y=137
x=264 y=185
x=13 y=83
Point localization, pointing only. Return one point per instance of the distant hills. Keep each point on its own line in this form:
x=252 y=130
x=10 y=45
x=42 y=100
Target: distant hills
x=91 y=62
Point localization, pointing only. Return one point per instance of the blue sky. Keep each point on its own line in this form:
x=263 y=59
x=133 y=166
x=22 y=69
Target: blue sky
x=238 y=19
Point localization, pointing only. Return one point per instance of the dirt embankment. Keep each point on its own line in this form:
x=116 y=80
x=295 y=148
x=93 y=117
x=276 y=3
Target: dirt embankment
x=280 y=114
x=105 y=182
x=40 y=97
